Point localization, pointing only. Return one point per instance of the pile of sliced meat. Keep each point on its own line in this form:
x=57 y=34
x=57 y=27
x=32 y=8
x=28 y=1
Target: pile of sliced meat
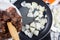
x=9 y=15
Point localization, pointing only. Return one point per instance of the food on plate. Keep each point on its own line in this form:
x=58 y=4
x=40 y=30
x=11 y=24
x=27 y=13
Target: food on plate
x=32 y=29
x=28 y=33
x=35 y=11
x=9 y=15
x=24 y=4
x=27 y=26
x=34 y=4
x=56 y=18
x=33 y=24
x=36 y=32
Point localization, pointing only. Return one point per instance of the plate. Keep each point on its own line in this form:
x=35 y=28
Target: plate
x=43 y=32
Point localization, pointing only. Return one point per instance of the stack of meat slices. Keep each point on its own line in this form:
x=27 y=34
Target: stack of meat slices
x=9 y=15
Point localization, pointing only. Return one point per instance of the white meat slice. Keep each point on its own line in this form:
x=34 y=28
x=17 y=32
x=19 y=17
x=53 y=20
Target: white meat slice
x=43 y=21
x=41 y=8
x=27 y=26
x=32 y=29
x=37 y=18
x=36 y=13
x=23 y=28
x=30 y=15
x=30 y=35
x=26 y=32
x=28 y=5
x=38 y=26
x=31 y=10
x=23 y=4
x=33 y=24
x=34 y=4
x=36 y=32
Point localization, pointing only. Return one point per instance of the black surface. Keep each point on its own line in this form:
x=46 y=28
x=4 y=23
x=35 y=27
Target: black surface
x=48 y=25
x=45 y=38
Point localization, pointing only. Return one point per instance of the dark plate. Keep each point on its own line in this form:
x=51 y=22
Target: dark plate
x=43 y=32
